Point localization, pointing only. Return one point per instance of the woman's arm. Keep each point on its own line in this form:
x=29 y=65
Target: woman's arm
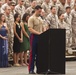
x=16 y=32
x=24 y=31
x=3 y=37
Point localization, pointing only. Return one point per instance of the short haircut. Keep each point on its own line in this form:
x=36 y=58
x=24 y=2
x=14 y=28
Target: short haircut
x=32 y=0
x=68 y=7
x=52 y=7
x=38 y=7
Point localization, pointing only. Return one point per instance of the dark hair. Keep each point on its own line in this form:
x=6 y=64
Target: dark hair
x=38 y=7
x=68 y=7
x=16 y=16
x=24 y=17
x=33 y=11
x=52 y=7
x=1 y=17
x=32 y=0
x=59 y=14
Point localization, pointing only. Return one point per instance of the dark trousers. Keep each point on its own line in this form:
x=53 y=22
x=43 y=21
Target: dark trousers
x=33 y=51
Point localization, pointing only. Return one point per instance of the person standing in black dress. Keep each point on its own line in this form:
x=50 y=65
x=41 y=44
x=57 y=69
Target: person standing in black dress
x=17 y=39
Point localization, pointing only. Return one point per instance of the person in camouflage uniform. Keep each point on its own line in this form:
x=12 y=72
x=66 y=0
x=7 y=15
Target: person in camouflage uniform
x=5 y=4
x=52 y=18
x=31 y=8
x=10 y=22
x=27 y=3
x=39 y=2
x=1 y=6
x=61 y=6
x=73 y=13
x=61 y=23
x=69 y=3
x=46 y=6
x=68 y=21
x=20 y=9
x=54 y=3
x=12 y=6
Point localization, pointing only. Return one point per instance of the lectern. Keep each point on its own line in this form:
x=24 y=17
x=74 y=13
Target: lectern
x=51 y=52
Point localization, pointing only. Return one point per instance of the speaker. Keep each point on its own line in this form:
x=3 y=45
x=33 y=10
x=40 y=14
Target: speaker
x=51 y=52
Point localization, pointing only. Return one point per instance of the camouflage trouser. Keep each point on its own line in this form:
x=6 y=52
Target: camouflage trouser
x=10 y=43
x=74 y=36
x=68 y=38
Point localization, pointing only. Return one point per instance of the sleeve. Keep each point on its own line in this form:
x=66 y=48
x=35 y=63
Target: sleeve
x=65 y=17
x=30 y=22
x=17 y=10
x=48 y=19
x=72 y=13
x=43 y=6
x=27 y=10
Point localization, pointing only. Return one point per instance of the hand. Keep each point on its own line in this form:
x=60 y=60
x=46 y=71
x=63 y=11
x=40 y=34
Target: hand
x=21 y=40
x=28 y=37
x=39 y=33
x=4 y=38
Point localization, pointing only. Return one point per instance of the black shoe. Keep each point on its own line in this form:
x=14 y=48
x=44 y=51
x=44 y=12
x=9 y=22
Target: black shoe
x=32 y=72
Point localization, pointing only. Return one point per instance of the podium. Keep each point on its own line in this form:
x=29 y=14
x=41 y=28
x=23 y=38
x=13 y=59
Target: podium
x=51 y=52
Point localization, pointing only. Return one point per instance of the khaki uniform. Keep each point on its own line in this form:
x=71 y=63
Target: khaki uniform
x=20 y=10
x=10 y=23
x=52 y=20
x=68 y=20
x=36 y=23
x=46 y=7
x=73 y=13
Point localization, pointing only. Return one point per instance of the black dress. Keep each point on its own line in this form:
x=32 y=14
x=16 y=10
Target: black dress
x=17 y=44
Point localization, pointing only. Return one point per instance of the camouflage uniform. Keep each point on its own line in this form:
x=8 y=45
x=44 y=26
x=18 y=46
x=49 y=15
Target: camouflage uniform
x=0 y=9
x=61 y=24
x=52 y=20
x=73 y=13
x=71 y=5
x=10 y=23
x=56 y=5
x=61 y=8
x=39 y=2
x=46 y=7
x=13 y=12
x=3 y=7
x=29 y=10
x=20 y=10
x=26 y=3
x=68 y=20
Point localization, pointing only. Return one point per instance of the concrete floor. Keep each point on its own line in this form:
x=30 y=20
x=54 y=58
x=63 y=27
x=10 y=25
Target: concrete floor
x=70 y=69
